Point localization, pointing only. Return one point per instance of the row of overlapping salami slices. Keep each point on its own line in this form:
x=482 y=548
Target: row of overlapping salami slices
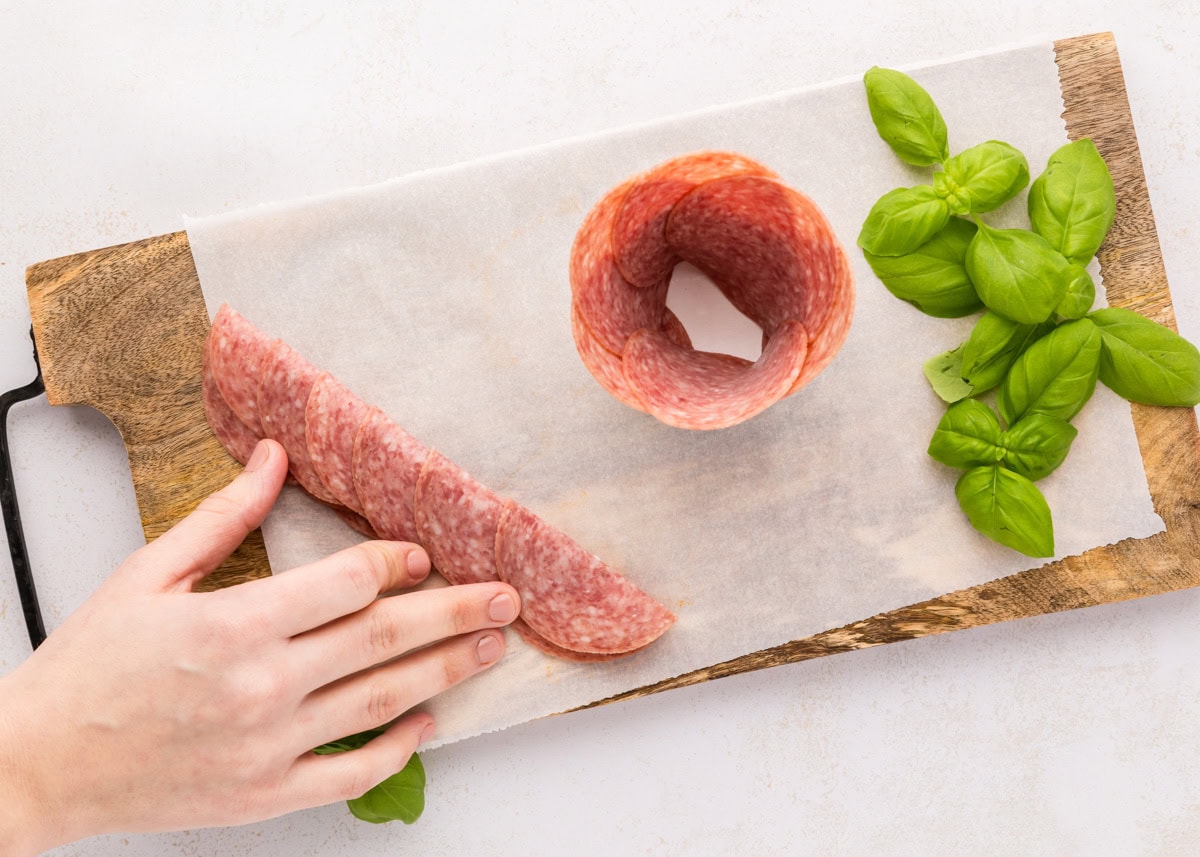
x=386 y=484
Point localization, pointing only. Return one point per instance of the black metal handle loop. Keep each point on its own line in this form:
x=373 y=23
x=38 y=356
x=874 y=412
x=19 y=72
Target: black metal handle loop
x=12 y=511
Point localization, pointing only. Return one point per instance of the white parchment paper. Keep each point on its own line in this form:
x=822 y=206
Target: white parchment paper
x=443 y=298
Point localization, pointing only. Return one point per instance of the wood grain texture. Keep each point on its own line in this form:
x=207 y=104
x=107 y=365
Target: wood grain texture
x=121 y=330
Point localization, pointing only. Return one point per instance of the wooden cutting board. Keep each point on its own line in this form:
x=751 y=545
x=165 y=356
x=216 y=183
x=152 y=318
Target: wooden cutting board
x=121 y=329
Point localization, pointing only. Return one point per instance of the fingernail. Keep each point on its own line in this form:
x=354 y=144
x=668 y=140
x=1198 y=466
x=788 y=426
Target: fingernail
x=417 y=563
x=488 y=649
x=427 y=733
x=502 y=608
x=259 y=457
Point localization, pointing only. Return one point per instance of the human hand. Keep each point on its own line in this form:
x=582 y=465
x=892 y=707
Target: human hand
x=154 y=707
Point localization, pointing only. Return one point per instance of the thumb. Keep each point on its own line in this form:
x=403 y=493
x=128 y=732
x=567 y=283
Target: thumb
x=195 y=546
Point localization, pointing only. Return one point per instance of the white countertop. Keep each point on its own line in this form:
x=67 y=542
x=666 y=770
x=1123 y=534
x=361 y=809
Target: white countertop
x=1061 y=735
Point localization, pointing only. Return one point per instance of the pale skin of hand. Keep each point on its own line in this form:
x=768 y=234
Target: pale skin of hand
x=157 y=708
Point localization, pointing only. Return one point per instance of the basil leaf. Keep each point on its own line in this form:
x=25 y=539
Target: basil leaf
x=906 y=117
x=1036 y=445
x=968 y=435
x=1017 y=273
x=1081 y=294
x=1055 y=376
x=1145 y=362
x=944 y=374
x=982 y=177
x=1007 y=508
x=401 y=797
x=993 y=346
x=902 y=220
x=1073 y=203
x=933 y=277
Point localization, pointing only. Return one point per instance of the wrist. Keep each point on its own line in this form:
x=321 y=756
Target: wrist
x=24 y=828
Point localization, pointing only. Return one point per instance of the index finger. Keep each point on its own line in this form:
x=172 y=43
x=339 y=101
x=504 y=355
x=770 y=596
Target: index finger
x=345 y=582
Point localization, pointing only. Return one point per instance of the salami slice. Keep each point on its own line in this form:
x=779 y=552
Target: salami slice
x=702 y=390
x=387 y=462
x=356 y=522
x=570 y=597
x=773 y=254
x=606 y=366
x=533 y=638
x=286 y=379
x=237 y=438
x=456 y=520
x=332 y=418
x=639 y=224
x=238 y=349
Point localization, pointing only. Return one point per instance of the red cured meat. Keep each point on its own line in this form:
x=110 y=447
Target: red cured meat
x=332 y=418
x=544 y=646
x=767 y=247
x=237 y=352
x=570 y=597
x=356 y=522
x=233 y=434
x=387 y=462
x=773 y=254
x=456 y=521
x=702 y=390
x=639 y=224
x=605 y=366
x=285 y=380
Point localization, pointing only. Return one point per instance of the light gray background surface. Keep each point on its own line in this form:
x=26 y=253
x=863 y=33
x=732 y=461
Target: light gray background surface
x=1061 y=735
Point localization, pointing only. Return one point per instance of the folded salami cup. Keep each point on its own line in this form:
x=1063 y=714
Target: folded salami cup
x=766 y=246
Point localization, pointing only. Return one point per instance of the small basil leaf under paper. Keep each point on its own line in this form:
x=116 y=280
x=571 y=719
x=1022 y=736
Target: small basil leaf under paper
x=1081 y=294
x=1056 y=375
x=1007 y=508
x=902 y=220
x=982 y=178
x=1017 y=273
x=933 y=278
x=1142 y=361
x=906 y=117
x=993 y=346
x=1037 y=445
x=1072 y=204
x=944 y=374
x=968 y=435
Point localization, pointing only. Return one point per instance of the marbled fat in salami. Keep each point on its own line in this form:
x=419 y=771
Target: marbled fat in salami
x=387 y=462
x=332 y=418
x=236 y=351
x=569 y=596
x=285 y=381
x=456 y=521
x=767 y=247
x=237 y=438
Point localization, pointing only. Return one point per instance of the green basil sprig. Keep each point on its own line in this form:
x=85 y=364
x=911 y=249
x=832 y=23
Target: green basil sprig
x=993 y=346
x=1017 y=273
x=982 y=178
x=1037 y=445
x=1039 y=343
x=1073 y=203
x=906 y=117
x=1055 y=376
x=902 y=220
x=933 y=278
x=401 y=797
x=1007 y=508
x=1145 y=362
x=944 y=374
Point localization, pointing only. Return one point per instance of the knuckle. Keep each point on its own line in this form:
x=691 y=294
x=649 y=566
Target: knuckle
x=458 y=664
x=385 y=637
x=464 y=616
x=384 y=702
x=220 y=505
x=356 y=782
